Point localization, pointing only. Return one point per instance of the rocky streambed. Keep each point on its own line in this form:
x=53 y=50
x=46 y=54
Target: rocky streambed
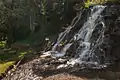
x=46 y=69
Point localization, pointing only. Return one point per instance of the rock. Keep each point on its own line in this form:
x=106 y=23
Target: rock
x=112 y=21
x=62 y=66
x=46 y=54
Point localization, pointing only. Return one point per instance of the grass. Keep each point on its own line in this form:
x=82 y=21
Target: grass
x=10 y=57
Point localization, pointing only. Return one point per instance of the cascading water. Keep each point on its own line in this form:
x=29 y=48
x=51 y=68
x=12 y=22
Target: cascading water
x=90 y=37
x=90 y=40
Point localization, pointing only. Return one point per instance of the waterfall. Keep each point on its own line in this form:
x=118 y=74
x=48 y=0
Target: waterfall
x=89 y=38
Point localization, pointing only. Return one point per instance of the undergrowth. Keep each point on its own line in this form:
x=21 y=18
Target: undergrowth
x=9 y=57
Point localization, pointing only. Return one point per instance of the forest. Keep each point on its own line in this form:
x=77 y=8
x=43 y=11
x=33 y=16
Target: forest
x=59 y=39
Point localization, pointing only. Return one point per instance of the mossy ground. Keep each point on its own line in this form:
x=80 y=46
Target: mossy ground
x=9 y=57
x=5 y=65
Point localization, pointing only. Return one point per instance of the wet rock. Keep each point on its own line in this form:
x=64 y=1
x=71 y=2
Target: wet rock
x=111 y=16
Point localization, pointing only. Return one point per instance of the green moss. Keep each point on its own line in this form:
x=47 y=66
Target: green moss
x=4 y=66
x=94 y=2
x=8 y=58
x=22 y=54
x=2 y=43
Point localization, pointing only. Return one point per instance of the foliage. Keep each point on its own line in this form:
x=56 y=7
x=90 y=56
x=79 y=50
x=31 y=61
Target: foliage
x=2 y=44
x=33 y=20
x=9 y=57
x=94 y=2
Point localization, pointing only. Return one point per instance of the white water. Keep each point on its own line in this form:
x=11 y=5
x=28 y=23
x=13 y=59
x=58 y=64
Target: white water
x=89 y=38
x=85 y=53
